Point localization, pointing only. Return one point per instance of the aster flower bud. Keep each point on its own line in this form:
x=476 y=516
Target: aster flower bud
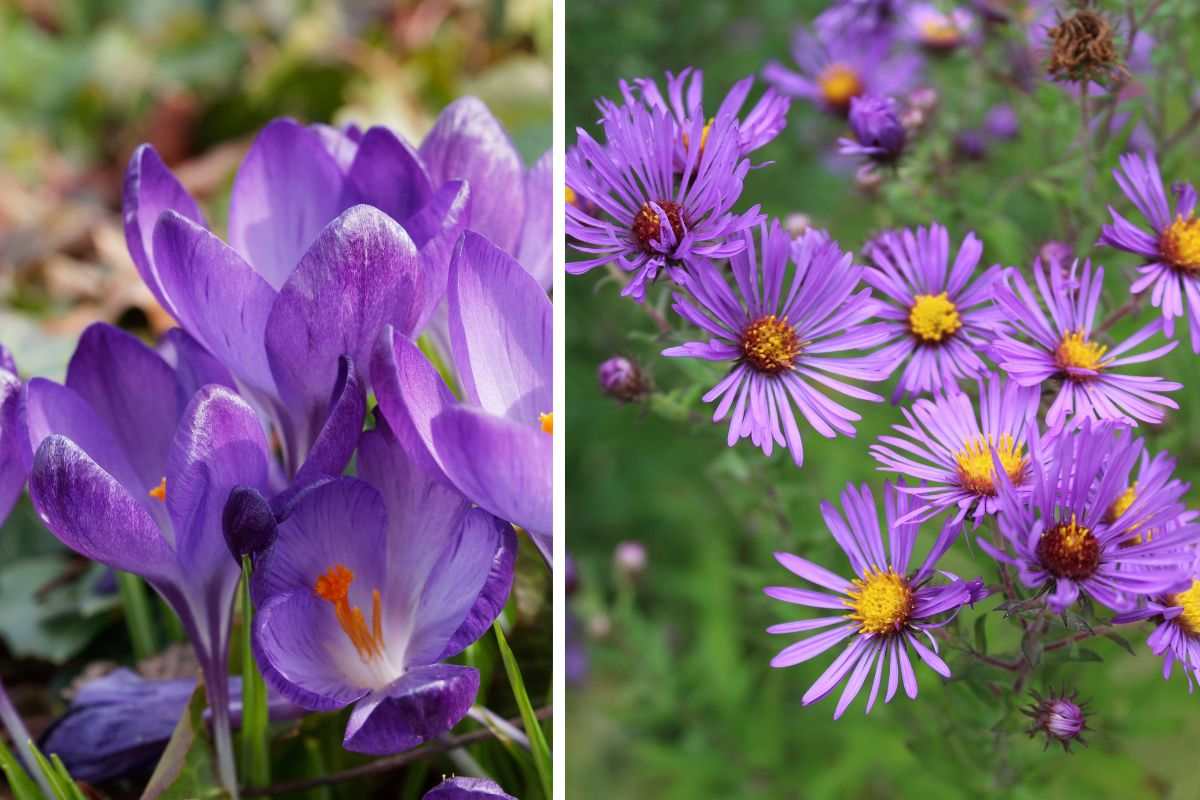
x=868 y=178
x=971 y=145
x=629 y=558
x=621 y=378
x=1059 y=717
x=1055 y=252
x=878 y=132
x=924 y=99
x=797 y=224
x=600 y=626
x=1001 y=123
x=247 y=522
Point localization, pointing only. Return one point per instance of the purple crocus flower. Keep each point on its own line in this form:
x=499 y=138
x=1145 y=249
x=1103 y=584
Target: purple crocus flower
x=784 y=344
x=1063 y=535
x=951 y=449
x=1170 y=252
x=494 y=445
x=641 y=206
x=1176 y=636
x=467 y=789
x=940 y=314
x=119 y=724
x=837 y=66
x=134 y=459
x=368 y=620
x=684 y=101
x=1065 y=346
x=886 y=608
x=879 y=135
x=13 y=437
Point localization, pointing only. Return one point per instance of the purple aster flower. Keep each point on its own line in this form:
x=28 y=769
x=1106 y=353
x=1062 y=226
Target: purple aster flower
x=1176 y=637
x=951 y=449
x=878 y=133
x=886 y=608
x=638 y=207
x=1059 y=717
x=13 y=437
x=836 y=67
x=1065 y=347
x=119 y=725
x=467 y=789
x=939 y=318
x=684 y=101
x=1170 y=251
x=785 y=343
x=1064 y=536
x=134 y=459
x=369 y=620
x=494 y=445
x=939 y=32
x=861 y=17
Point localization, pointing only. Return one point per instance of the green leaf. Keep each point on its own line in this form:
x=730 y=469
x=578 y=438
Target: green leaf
x=50 y=624
x=1085 y=654
x=136 y=602
x=1120 y=642
x=537 y=738
x=256 y=757
x=981 y=634
x=185 y=771
x=22 y=786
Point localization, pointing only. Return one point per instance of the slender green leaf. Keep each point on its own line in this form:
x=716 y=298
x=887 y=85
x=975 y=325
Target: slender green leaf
x=256 y=756
x=22 y=786
x=61 y=769
x=537 y=738
x=136 y=603
x=64 y=789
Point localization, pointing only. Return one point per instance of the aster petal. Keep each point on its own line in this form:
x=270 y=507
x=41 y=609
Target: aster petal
x=425 y=702
x=812 y=647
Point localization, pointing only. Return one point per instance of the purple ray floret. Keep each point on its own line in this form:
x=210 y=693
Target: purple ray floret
x=885 y=610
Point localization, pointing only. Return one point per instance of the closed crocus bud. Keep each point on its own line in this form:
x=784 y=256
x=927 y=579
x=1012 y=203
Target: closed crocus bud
x=621 y=378
x=247 y=522
x=467 y=789
x=877 y=127
x=630 y=559
x=1060 y=718
x=1001 y=122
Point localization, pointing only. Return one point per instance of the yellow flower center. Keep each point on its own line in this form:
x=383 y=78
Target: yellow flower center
x=839 y=83
x=159 y=492
x=334 y=587
x=939 y=32
x=1119 y=507
x=1190 y=602
x=1079 y=352
x=882 y=602
x=647 y=227
x=570 y=195
x=933 y=317
x=1180 y=243
x=771 y=345
x=1069 y=550
x=703 y=135
x=976 y=471
x=546 y=421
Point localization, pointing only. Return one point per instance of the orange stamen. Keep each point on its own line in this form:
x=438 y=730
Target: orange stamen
x=334 y=587
x=159 y=492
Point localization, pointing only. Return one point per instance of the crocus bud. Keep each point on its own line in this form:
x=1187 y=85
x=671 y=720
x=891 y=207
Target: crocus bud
x=629 y=558
x=1060 y=718
x=621 y=378
x=247 y=522
x=467 y=789
x=877 y=127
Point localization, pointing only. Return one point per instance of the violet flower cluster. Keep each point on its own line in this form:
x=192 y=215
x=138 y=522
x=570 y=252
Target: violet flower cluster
x=345 y=249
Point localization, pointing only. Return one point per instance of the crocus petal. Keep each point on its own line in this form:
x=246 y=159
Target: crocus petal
x=467 y=143
x=535 y=248
x=14 y=439
x=410 y=393
x=425 y=702
x=503 y=466
x=194 y=365
x=467 y=789
x=334 y=445
x=220 y=445
x=133 y=392
x=490 y=601
x=460 y=576
x=286 y=191
x=150 y=190
x=91 y=513
x=387 y=174
x=361 y=274
x=219 y=298
x=501 y=332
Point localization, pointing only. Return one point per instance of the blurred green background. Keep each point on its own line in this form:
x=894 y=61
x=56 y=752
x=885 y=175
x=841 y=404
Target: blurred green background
x=678 y=700
x=82 y=83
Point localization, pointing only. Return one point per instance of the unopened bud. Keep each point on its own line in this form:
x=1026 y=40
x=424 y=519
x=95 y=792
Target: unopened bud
x=247 y=522
x=621 y=378
x=1060 y=718
x=629 y=558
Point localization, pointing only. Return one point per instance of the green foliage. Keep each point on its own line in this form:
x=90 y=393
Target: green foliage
x=533 y=729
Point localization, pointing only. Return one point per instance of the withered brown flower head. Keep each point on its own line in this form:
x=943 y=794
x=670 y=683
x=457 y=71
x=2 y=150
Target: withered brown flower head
x=1084 y=49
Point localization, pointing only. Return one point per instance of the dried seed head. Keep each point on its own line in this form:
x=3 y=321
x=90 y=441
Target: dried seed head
x=1084 y=49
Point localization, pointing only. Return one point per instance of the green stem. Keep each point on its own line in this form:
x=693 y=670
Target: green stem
x=256 y=759
x=138 y=617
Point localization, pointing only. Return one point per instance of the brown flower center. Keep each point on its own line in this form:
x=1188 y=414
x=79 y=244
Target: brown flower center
x=1069 y=550
x=647 y=225
x=1083 y=48
x=771 y=345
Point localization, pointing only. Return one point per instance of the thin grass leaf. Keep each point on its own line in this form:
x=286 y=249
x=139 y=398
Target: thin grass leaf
x=136 y=603
x=23 y=787
x=537 y=737
x=61 y=768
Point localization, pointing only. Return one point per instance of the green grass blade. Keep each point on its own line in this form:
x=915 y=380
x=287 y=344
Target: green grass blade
x=61 y=769
x=64 y=789
x=533 y=729
x=22 y=786
x=138 y=618
x=256 y=756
